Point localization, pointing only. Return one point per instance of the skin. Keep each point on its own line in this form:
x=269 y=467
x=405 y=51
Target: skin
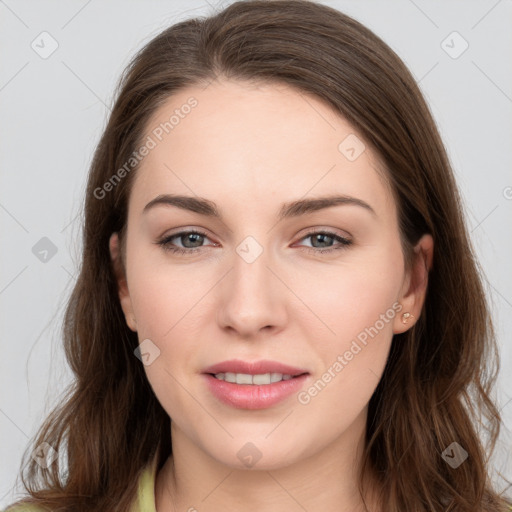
x=250 y=148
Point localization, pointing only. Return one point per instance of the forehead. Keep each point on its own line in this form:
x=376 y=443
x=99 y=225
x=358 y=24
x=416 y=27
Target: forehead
x=255 y=141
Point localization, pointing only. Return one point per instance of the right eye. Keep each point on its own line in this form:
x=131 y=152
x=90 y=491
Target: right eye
x=186 y=237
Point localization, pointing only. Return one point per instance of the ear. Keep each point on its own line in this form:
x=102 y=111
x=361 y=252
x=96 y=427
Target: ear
x=415 y=285
x=122 y=286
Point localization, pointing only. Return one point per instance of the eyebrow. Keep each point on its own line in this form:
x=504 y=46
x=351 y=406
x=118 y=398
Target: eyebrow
x=208 y=208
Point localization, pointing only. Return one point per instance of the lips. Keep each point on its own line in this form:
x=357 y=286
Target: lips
x=255 y=395
x=254 y=368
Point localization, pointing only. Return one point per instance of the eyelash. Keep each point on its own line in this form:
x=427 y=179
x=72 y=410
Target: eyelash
x=344 y=242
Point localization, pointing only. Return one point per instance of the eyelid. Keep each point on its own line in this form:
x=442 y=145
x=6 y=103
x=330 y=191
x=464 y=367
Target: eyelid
x=325 y=229
x=309 y=231
x=186 y=230
x=343 y=241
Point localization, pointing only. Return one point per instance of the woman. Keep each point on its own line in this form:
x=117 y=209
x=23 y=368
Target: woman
x=225 y=358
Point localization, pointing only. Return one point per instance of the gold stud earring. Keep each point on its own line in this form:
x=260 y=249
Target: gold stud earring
x=406 y=317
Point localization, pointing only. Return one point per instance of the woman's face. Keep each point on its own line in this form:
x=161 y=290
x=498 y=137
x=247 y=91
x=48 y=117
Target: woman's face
x=258 y=283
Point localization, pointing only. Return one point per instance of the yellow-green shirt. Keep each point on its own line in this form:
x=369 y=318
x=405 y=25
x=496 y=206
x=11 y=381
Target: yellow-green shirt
x=144 y=502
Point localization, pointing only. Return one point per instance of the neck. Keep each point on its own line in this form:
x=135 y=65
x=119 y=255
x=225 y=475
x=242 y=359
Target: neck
x=191 y=480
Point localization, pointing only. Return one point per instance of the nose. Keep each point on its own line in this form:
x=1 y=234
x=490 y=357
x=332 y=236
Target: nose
x=251 y=298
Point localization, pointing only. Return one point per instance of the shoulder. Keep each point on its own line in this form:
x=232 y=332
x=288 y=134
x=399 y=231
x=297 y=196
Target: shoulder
x=144 y=500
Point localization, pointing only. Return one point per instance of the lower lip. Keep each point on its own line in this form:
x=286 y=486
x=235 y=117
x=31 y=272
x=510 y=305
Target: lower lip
x=250 y=396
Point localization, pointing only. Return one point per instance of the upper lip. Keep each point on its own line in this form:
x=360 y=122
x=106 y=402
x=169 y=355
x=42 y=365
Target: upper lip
x=253 y=368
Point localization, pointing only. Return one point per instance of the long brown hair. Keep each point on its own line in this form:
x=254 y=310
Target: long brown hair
x=436 y=386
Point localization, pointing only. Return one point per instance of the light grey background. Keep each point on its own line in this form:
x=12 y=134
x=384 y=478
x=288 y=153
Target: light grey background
x=53 y=111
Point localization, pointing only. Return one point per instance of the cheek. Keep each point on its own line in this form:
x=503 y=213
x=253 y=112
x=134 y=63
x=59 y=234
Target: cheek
x=352 y=296
x=357 y=306
x=165 y=296
x=171 y=313
x=340 y=392
x=352 y=363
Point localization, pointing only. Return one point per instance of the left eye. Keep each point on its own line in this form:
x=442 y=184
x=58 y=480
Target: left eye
x=196 y=238
x=322 y=236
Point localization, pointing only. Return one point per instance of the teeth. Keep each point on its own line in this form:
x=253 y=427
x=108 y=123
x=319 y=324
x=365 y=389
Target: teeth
x=245 y=378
